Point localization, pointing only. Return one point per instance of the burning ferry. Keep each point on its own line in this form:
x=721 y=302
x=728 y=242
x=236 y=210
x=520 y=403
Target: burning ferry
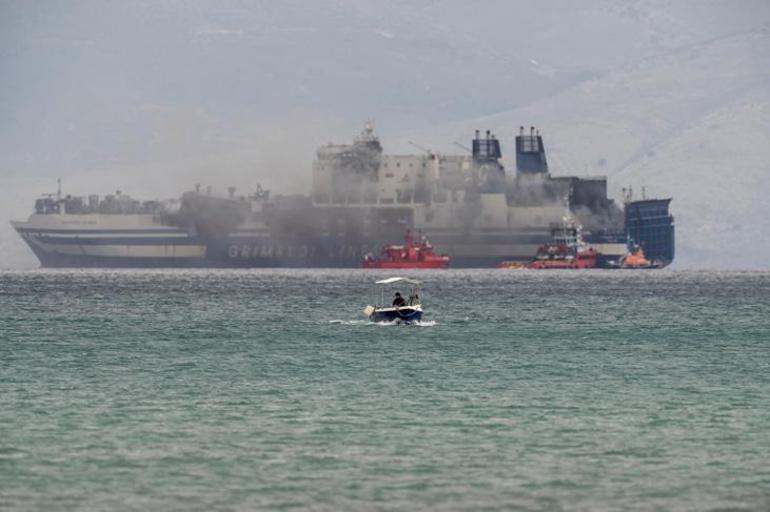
x=470 y=206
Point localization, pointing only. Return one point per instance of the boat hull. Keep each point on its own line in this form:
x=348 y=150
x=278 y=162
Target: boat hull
x=405 y=315
x=405 y=265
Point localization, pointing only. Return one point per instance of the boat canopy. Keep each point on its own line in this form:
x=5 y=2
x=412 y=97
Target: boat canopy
x=392 y=280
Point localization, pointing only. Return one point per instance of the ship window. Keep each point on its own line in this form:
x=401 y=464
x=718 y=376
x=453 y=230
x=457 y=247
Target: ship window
x=388 y=174
x=398 y=164
x=385 y=164
x=423 y=165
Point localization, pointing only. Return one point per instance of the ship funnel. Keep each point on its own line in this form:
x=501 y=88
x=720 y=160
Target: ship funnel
x=530 y=152
x=486 y=150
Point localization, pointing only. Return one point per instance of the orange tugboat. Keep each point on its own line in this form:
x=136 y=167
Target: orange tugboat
x=412 y=254
x=567 y=250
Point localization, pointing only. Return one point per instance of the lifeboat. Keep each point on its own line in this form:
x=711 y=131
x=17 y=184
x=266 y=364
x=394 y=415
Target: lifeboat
x=413 y=254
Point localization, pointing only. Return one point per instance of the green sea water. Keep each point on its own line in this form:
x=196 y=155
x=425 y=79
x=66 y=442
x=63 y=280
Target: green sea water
x=267 y=390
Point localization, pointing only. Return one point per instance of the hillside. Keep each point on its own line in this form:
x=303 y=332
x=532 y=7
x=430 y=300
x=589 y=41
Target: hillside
x=696 y=130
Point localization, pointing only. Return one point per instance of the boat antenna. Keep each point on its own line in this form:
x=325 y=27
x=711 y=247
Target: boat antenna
x=463 y=146
x=58 y=189
x=421 y=148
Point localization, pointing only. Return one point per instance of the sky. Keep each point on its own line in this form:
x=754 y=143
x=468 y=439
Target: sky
x=152 y=97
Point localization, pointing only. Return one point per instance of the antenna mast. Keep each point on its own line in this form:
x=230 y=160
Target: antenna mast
x=426 y=150
x=463 y=146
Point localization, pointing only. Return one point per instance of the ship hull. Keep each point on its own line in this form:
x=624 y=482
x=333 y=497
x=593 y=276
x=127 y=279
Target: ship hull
x=144 y=243
x=58 y=260
x=78 y=249
x=91 y=242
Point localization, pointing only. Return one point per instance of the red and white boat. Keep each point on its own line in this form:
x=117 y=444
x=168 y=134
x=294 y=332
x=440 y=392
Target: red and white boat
x=413 y=254
x=568 y=250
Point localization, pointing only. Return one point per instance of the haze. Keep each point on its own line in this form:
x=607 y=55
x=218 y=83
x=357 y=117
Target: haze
x=152 y=97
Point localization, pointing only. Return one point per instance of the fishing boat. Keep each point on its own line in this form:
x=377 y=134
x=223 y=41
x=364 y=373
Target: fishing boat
x=413 y=254
x=400 y=309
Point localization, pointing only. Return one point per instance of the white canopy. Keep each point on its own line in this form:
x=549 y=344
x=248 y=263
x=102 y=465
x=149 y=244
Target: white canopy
x=392 y=280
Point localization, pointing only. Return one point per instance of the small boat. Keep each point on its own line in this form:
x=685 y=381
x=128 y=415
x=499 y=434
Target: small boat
x=400 y=309
x=412 y=254
x=637 y=260
x=567 y=250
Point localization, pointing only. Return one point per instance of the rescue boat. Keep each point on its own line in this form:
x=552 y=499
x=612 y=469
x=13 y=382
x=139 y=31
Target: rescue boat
x=566 y=251
x=413 y=254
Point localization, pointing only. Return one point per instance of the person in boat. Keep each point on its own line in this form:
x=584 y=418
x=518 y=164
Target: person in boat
x=398 y=300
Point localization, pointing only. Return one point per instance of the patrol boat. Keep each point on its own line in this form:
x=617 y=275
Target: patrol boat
x=401 y=310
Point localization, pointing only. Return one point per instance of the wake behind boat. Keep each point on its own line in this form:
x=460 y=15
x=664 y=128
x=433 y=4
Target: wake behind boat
x=400 y=309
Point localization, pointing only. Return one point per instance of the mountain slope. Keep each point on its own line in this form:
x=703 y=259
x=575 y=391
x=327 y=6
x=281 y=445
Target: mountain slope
x=688 y=124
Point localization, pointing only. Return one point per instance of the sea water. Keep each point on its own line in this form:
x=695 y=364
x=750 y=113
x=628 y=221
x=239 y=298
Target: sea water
x=267 y=389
